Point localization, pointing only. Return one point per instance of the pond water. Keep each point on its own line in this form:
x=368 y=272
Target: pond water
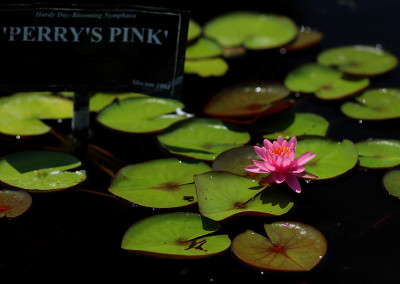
x=76 y=234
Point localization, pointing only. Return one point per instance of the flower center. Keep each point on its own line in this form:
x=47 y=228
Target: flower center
x=279 y=151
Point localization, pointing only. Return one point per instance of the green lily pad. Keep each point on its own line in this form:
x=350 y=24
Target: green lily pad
x=236 y=159
x=246 y=100
x=289 y=124
x=98 y=101
x=14 y=203
x=163 y=183
x=325 y=82
x=206 y=67
x=141 y=115
x=203 y=48
x=379 y=153
x=21 y=113
x=307 y=38
x=333 y=158
x=202 y=138
x=253 y=30
x=374 y=104
x=40 y=170
x=176 y=236
x=222 y=195
x=194 y=30
x=358 y=60
x=391 y=182
x=290 y=246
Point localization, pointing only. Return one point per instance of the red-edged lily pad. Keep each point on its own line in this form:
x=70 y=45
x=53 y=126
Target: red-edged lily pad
x=307 y=38
x=175 y=235
x=290 y=246
x=14 y=203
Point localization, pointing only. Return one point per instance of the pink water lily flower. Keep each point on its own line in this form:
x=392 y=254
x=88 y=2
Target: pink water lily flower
x=278 y=160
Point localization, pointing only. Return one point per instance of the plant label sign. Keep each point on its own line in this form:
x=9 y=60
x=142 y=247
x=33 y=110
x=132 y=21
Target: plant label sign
x=98 y=48
x=92 y=48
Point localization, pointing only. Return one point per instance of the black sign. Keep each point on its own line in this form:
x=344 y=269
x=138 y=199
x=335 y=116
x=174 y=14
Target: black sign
x=95 y=48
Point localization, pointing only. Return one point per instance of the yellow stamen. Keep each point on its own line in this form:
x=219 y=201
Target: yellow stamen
x=280 y=150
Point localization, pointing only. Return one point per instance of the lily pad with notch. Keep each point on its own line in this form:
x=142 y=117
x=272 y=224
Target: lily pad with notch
x=325 y=82
x=202 y=138
x=222 y=195
x=176 y=236
x=162 y=183
x=289 y=124
x=41 y=170
x=98 y=101
x=21 y=114
x=141 y=114
x=253 y=30
x=391 y=182
x=379 y=153
x=203 y=48
x=290 y=247
x=333 y=158
x=14 y=203
x=374 y=104
x=248 y=100
x=359 y=60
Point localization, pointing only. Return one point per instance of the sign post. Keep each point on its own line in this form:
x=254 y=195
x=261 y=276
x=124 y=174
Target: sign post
x=92 y=48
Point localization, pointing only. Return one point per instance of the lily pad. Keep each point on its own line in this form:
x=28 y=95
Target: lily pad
x=21 y=113
x=325 y=82
x=203 y=48
x=14 y=203
x=236 y=159
x=163 y=183
x=252 y=30
x=194 y=30
x=391 y=182
x=307 y=38
x=290 y=246
x=207 y=67
x=202 y=138
x=332 y=158
x=247 y=99
x=374 y=104
x=98 y=101
x=222 y=195
x=289 y=124
x=176 y=236
x=40 y=170
x=358 y=60
x=379 y=153
x=141 y=115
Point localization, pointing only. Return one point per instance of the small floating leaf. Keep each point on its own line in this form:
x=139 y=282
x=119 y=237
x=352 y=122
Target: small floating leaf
x=246 y=99
x=379 y=153
x=251 y=29
x=141 y=115
x=98 y=101
x=290 y=246
x=222 y=195
x=207 y=67
x=21 y=113
x=333 y=158
x=202 y=138
x=391 y=182
x=194 y=30
x=40 y=170
x=325 y=82
x=176 y=236
x=14 y=203
x=163 y=183
x=203 y=48
x=235 y=160
x=307 y=38
x=289 y=124
x=374 y=104
x=358 y=60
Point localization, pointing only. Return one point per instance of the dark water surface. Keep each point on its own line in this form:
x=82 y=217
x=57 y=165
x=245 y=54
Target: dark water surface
x=75 y=235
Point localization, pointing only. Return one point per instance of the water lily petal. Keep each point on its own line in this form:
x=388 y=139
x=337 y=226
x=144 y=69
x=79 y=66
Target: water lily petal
x=260 y=152
x=293 y=143
x=286 y=162
x=267 y=180
x=296 y=170
x=306 y=175
x=267 y=144
x=293 y=183
x=261 y=165
x=280 y=140
x=279 y=177
x=304 y=158
x=253 y=169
